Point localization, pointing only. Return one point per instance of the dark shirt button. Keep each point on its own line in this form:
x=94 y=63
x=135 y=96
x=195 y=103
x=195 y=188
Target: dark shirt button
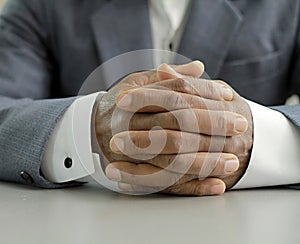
x=68 y=163
x=26 y=177
x=171 y=46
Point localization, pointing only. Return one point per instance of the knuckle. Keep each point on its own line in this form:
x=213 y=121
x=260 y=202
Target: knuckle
x=230 y=128
x=174 y=140
x=232 y=144
x=237 y=145
x=195 y=87
x=176 y=190
x=179 y=84
x=201 y=189
x=202 y=120
x=222 y=122
x=192 y=189
x=243 y=145
x=172 y=119
x=180 y=118
x=179 y=101
x=196 y=189
x=205 y=143
x=194 y=101
x=209 y=88
x=170 y=99
x=229 y=123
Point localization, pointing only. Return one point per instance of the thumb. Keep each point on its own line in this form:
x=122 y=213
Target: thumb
x=194 y=69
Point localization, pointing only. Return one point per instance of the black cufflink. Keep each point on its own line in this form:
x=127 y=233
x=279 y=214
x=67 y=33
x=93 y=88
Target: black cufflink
x=68 y=163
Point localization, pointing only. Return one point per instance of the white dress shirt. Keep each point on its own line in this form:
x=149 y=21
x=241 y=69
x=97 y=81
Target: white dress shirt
x=275 y=158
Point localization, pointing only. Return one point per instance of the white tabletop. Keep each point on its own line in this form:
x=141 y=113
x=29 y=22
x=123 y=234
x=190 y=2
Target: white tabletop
x=92 y=215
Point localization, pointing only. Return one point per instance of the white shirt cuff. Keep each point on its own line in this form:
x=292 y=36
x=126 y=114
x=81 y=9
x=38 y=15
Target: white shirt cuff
x=71 y=139
x=275 y=158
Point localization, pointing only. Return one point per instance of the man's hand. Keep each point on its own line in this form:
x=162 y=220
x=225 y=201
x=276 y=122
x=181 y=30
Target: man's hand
x=152 y=97
x=210 y=159
x=239 y=145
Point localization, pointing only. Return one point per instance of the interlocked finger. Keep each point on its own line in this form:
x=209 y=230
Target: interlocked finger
x=222 y=123
x=157 y=100
x=144 y=175
x=156 y=142
x=197 y=164
x=194 y=86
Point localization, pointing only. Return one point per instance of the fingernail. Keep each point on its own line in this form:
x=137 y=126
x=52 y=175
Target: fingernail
x=124 y=100
x=217 y=189
x=240 y=125
x=125 y=187
x=117 y=145
x=113 y=173
x=231 y=165
x=227 y=94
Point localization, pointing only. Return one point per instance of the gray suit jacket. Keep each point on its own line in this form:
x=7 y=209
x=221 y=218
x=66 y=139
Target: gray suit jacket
x=49 y=47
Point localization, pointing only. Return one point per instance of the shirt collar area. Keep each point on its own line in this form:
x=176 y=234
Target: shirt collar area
x=173 y=10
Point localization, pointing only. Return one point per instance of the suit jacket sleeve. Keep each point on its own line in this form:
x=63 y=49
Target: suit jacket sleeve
x=293 y=112
x=26 y=78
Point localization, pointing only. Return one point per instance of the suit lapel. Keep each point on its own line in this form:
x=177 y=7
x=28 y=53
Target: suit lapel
x=209 y=31
x=121 y=26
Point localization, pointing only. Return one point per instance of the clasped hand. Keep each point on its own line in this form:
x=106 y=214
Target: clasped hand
x=169 y=131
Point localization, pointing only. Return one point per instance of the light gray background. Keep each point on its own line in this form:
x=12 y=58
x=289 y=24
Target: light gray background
x=93 y=215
